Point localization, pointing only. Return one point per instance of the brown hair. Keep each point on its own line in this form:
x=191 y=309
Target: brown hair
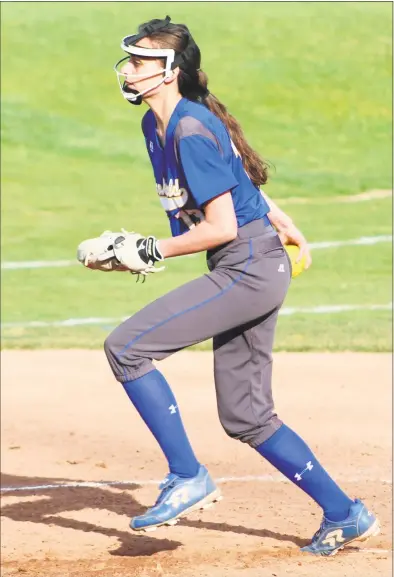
x=193 y=84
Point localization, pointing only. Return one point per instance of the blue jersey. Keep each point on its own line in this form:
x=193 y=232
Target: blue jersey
x=198 y=163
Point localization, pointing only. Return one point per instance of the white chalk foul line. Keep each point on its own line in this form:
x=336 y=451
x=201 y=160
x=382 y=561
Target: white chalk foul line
x=248 y=479
x=376 y=551
x=34 y=264
x=367 y=196
x=15 y=265
x=286 y=311
x=362 y=241
x=65 y=323
x=332 y=309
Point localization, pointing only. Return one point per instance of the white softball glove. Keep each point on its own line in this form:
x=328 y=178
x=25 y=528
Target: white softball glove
x=95 y=253
x=120 y=251
x=137 y=253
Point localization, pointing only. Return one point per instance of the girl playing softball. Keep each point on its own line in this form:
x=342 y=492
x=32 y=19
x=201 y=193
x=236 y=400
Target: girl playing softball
x=208 y=178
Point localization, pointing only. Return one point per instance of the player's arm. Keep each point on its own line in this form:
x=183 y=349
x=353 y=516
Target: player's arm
x=287 y=230
x=219 y=227
x=133 y=252
x=278 y=218
x=210 y=180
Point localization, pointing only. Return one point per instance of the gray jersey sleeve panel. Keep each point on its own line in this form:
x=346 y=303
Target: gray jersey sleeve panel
x=190 y=126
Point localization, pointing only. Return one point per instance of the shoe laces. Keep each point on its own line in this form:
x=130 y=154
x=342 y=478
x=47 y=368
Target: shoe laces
x=319 y=531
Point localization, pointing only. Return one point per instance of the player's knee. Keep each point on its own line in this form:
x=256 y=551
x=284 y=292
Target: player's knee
x=126 y=361
x=117 y=351
x=110 y=346
x=245 y=436
x=252 y=434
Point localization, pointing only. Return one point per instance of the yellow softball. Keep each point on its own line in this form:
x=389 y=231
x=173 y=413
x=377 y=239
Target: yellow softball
x=293 y=252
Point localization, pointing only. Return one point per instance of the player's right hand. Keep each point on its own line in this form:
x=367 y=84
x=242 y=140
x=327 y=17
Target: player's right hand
x=292 y=235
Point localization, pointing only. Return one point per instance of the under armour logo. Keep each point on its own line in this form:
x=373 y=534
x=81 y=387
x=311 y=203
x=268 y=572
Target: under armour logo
x=308 y=467
x=281 y=268
x=151 y=146
x=173 y=409
x=333 y=538
x=178 y=497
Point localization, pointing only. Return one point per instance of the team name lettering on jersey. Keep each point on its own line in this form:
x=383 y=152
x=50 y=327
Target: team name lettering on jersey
x=172 y=196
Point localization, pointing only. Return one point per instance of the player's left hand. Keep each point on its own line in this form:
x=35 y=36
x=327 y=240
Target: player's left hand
x=292 y=235
x=137 y=253
x=97 y=254
x=121 y=251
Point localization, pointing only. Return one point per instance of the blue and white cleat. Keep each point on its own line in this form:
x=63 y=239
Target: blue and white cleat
x=332 y=536
x=178 y=498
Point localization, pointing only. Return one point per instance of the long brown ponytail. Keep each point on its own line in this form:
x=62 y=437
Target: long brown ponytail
x=193 y=84
x=254 y=165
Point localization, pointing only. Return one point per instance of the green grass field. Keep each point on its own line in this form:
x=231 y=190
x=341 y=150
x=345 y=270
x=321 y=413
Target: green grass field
x=311 y=85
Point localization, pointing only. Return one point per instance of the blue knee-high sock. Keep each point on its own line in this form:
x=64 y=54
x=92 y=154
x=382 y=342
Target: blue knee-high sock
x=288 y=453
x=152 y=397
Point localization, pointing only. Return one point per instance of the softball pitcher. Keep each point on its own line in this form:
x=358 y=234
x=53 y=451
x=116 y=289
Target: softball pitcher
x=208 y=178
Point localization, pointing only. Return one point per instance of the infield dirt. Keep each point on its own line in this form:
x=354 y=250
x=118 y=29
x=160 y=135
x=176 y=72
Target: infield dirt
x=65 y=419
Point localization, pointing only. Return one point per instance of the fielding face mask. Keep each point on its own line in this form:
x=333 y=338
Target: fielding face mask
x=170 y=57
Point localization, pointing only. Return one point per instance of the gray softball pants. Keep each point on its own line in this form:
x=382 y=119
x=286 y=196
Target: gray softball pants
x=237 y=304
